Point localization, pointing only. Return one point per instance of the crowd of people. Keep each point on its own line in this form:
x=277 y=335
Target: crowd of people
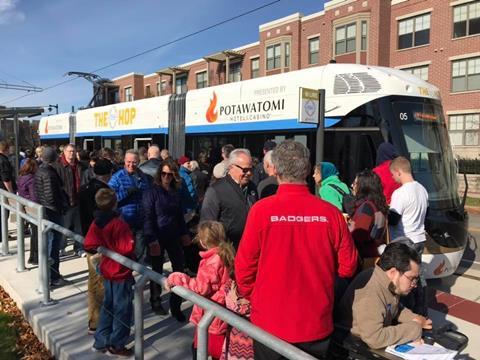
x=253 y=238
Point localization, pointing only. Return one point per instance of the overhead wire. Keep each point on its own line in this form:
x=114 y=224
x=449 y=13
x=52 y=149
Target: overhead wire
x=154 y=48
x=16 y=78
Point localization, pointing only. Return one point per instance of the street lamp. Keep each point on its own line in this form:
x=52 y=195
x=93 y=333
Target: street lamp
x=50 y=108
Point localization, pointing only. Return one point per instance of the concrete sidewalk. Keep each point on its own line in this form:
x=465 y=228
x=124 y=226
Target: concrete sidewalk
x=62 y=327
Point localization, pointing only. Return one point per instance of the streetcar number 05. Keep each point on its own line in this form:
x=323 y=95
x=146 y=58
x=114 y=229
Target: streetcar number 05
x=403 y=116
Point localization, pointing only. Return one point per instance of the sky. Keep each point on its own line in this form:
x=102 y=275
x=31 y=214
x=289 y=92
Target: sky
x=41 y=40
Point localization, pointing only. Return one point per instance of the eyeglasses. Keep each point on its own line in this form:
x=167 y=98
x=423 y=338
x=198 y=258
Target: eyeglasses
x=167 y=174
x=413 y=280
x=244 y=170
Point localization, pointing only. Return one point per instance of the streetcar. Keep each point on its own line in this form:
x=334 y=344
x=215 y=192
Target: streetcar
x=364 y=106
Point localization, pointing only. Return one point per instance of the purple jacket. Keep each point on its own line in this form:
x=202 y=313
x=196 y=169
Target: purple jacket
x=163 y=215
x=26 y=187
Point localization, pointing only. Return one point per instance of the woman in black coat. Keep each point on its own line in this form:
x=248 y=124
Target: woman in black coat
x=164 y=229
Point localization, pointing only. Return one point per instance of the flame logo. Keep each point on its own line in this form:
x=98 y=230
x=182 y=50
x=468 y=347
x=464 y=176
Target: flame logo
x=46 y=127
x=439 y=269
x=211 y=114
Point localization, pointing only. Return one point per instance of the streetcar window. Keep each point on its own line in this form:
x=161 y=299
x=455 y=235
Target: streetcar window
x=430 y=152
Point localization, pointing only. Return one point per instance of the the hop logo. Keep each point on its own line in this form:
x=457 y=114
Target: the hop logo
x=211 y=114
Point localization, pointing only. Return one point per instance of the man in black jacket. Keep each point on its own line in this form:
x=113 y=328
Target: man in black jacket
x=70 y=171
x=50 y=194
x=150 y=166
x=87 y=206
x=229 y=199
x=86 y=196
x=259 y=173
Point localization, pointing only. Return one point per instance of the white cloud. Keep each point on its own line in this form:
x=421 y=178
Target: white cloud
x=9 y=13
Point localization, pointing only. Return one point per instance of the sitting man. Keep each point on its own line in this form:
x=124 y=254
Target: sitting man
x=370 y=307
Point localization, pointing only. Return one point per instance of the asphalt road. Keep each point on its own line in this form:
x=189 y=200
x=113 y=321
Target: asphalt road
x=472 y=252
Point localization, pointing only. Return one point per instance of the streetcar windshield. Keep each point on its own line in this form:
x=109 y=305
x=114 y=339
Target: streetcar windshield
x=430 y=152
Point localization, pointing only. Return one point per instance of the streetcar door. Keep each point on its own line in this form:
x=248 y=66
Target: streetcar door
x=351 y=150
x=139 y=142
x=88 y=144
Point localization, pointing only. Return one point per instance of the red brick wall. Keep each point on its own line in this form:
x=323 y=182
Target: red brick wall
x=246 y=67
x=135 y=81
x=291 y=30
x=152 y=81
x=440 y=49
x=311 y=28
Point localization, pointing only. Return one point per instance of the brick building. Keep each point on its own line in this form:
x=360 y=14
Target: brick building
x=437 y=40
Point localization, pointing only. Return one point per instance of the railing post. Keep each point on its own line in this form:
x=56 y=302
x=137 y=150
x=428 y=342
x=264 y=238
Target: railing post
x=4 y=220
x=40 y=216
x=20 y=239
x=202 y=335
x=138 y=316
x=44 y=261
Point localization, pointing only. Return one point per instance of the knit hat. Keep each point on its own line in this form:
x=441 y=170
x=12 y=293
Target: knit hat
x=102 y=167
x=183 y=160
x=49 y=155
x=386 y=151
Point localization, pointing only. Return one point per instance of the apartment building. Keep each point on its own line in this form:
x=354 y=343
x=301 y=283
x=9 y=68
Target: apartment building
x=437 y=40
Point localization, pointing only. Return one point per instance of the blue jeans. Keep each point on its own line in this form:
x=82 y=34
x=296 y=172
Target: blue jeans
x=113 y=328
x=53 y=240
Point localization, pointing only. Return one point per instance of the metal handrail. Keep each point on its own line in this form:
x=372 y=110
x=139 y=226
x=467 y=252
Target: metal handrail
x=21 y=204
x=211 y=308
x=280 y=346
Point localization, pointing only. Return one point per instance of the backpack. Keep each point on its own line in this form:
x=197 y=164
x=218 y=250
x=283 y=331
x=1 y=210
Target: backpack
x=348 y=200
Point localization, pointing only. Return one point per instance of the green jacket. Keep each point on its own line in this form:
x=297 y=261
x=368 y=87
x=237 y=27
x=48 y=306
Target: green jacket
x=331 y=195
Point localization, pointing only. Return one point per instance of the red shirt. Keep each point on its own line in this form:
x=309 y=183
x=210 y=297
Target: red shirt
x=389 y=185
x=115 y=236
x=292 y=247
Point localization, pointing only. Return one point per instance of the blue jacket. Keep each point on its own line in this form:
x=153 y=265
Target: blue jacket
x=163 y=215
x=129 y=206
x=188 y=191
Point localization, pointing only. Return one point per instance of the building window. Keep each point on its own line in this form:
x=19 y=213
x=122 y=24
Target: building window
x=148 y=91
x=345 y=38
x=181 y=84
x=128 y=94
x=420 y=71
x=466 y=74
x=313 y=46
x=255 y=68
x=464 y=129
x=466 y=19
x=287 y=54
x=414 y=31
x=202 y=81
x=235 y=72
x=364 y=36
x=163 y=88
x=274 y=56
x=159 y=91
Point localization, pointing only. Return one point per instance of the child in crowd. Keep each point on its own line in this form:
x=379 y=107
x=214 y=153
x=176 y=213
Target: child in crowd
x=109 y=231
x=214 y=271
